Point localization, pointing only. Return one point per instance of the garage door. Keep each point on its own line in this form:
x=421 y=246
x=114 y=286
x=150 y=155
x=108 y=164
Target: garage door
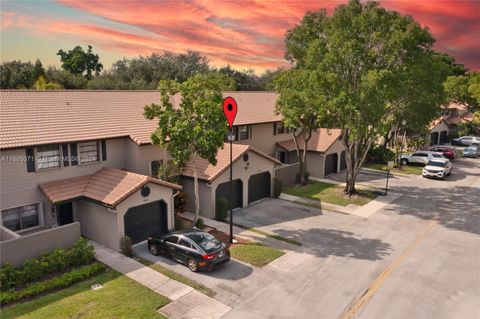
x=434 y=138
x=223 y=190
x=331 y=161
x=259 y=186
x=443 y=137
x=145 y=220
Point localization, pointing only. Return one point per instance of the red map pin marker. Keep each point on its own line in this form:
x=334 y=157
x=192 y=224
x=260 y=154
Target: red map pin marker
x=230 y=109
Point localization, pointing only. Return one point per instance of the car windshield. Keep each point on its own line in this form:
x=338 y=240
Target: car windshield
x=435 y=163
x=471 y=148
x=206 y=241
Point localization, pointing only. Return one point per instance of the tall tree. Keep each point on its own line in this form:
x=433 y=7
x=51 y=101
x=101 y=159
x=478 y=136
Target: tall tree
x=196 y=128
x=464 y=89
x=300 y=112
x=246 y=80
x=363 y=64
x=79 y=62
x=17 y=75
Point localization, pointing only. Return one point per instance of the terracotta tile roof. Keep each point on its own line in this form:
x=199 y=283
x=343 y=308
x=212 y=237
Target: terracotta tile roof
x=209 y=173
x=437 y=121
x=43 y=117
x=320 y=142
x=108 y=185
x=452 y=120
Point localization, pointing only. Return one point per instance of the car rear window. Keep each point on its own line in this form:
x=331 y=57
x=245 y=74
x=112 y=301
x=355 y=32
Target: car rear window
x=206 y=241
x=437 y=164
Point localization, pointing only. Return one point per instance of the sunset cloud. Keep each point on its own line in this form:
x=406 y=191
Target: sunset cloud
x=246 y=34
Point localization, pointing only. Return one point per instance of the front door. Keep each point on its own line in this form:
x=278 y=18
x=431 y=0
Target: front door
x=65 y=214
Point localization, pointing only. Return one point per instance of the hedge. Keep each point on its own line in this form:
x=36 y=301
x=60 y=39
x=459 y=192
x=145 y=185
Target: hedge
x=51 y=262
x=62 y=281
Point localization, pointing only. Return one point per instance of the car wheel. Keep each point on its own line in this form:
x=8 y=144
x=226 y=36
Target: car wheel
x=192 y=265
x=404 y=161
x=443 y=177
x=153 y=250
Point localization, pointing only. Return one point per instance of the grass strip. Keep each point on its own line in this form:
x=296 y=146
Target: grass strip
x=177 y=277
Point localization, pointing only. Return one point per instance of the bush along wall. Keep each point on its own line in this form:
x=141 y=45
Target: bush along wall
x=57 y=261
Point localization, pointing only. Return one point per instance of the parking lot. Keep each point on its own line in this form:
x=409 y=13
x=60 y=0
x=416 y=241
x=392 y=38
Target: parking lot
x=416 y=258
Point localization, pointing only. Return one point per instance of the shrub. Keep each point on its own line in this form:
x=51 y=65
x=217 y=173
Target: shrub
x=221 y=209
x=277 y=187
x=181 y=202
x=62 y=281
x=126 y=246
x=81 y=253
x=178 y=223
x=200 y=224
x=380 y=154
x=8 y=276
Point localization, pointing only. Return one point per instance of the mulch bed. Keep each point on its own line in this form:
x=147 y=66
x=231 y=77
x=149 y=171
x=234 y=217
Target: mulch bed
x=225 y=238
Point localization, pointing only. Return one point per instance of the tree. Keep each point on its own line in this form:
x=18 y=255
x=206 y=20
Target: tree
x=464 y=89
x=246 y=80
x=196 y=128
x=79 y=62
x=65 y=79
x=38 y=70
x=267 y=79
x=363 y=65
x=42 y=84
x=17 y=75
x=299 y=111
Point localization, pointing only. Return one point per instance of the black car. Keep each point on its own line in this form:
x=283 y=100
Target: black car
x=196 y=249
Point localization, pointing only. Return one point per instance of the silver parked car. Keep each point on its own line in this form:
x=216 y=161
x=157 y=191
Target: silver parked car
x=420 y=157
x=466 y=140
x=471 y=151
x=437 y=168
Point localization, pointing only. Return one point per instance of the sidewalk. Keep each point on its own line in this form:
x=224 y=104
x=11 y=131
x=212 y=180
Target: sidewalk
x=187 y=303
x=364 y=211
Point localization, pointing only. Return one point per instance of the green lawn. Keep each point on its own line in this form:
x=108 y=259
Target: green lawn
x=255 y=254
x=180 y=278
x=406 y=169
x=330 y=193
x=121 y=297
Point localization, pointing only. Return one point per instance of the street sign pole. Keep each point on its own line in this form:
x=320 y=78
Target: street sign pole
x=231 y=186
x=230 y=111
x=389 y=167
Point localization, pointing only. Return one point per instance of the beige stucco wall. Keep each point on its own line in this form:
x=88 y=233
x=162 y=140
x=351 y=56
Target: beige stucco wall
x=138 y=158
x=263 y=138
x=256 y=164
x=17 y=250
x=206 y=199
x=18 y=187
x=98 y=223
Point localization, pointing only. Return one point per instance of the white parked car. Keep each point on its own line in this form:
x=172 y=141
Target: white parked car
x=420 y=157
x=466 y=140
x=438 y=168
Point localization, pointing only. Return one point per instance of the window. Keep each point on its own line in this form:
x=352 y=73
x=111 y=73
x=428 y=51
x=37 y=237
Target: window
x=243 y=132
x=420 y=154
x=155 y=168
x=48 y=156
x=279 y=128
x=185 y=243
x=22 y=217
x=171 y=239
x=88 y=152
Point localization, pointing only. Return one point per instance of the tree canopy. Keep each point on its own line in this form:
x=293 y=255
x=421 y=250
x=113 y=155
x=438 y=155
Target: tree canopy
x=363 y=67
x=196 y=127
x=79 y=62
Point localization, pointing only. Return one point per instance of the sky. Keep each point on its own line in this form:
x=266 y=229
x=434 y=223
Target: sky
x=245 y=34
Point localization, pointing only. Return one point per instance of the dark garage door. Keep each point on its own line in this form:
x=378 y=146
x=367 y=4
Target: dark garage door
x=145 y=220
x=223 y=190
x=259 y=186
x=331 y=161
x=443 y=137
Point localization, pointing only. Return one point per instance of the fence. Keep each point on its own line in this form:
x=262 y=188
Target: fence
x=287 y=173
x=17 y=250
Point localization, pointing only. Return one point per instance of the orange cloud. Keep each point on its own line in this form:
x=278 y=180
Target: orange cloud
x=246 y=34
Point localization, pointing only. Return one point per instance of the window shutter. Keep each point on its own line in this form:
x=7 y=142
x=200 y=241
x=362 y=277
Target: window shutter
x=104 y=150
x=274 y=128
x=66 y=161
x=30 y=160
x=74 y=153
